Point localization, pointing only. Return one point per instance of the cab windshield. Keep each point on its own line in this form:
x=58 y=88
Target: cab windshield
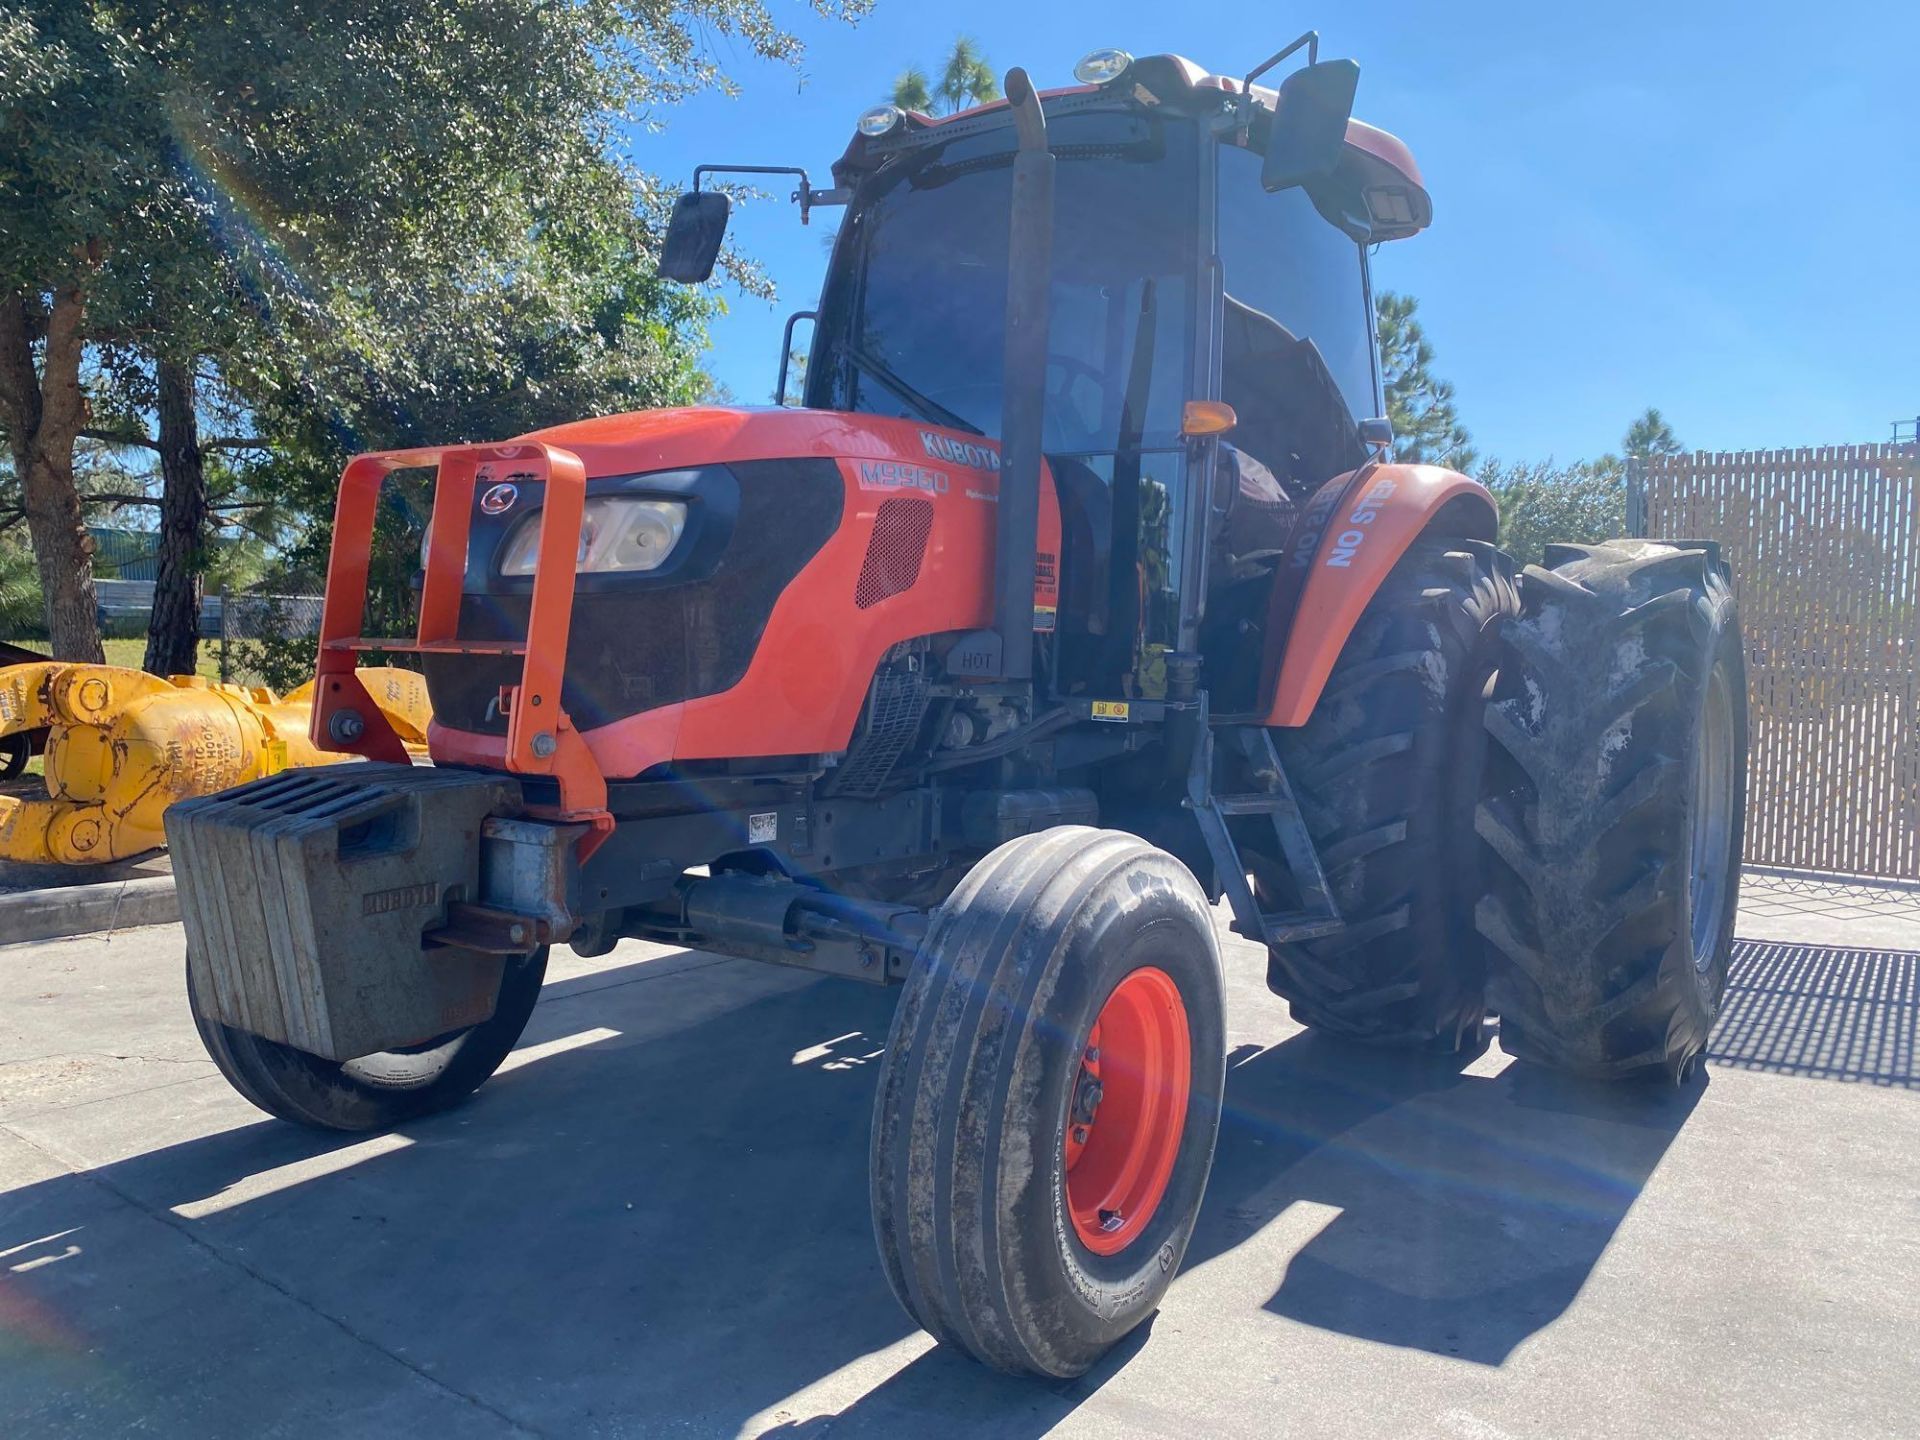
x=917 y=326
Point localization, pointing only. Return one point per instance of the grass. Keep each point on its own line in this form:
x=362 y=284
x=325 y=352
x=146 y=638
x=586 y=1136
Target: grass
x=129 y=653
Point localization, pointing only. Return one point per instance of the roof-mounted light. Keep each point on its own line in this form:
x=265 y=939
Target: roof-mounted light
x=879 y=120
x=1102 y=67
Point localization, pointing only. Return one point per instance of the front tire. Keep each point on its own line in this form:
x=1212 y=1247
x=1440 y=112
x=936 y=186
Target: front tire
x=375 y=1092
x=1035 y=1179
x=1615 y=809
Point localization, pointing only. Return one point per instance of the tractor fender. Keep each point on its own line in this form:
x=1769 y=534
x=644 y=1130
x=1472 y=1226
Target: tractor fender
x=1380 y=510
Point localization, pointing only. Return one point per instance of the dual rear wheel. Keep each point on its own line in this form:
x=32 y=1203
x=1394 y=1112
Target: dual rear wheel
x=1528 y=792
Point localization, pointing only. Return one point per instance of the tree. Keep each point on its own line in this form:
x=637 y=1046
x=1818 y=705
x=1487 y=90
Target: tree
x=195 y=435
x=966 y=80
x=1425 y=426
x=1651 y=435
x=197 y=180
x=1542 y=502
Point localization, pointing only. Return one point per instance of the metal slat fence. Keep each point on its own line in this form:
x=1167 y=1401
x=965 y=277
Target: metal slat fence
x=1825 y=550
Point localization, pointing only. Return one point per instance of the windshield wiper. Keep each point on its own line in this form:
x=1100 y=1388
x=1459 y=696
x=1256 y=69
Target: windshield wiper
x=929 y=409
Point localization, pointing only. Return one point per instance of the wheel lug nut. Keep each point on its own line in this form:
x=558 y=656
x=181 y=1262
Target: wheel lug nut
x=1080 y=1134
x=1093 y=1054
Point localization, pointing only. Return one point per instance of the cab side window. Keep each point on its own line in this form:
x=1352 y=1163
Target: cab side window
x=1297 y=343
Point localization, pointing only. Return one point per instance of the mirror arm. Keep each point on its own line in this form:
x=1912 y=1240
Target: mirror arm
x=1311 y=40
x=806 y=195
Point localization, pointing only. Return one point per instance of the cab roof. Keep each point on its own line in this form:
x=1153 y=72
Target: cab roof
x=1377 y=166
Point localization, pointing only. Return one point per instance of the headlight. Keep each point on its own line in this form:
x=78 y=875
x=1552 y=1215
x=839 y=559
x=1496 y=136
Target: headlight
x=618 y=535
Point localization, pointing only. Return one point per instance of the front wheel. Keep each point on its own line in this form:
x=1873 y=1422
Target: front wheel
x=1049 y=1100
x=374 y=1092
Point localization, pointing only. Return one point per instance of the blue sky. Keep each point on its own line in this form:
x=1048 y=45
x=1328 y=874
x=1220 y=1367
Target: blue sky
x=1712 y=208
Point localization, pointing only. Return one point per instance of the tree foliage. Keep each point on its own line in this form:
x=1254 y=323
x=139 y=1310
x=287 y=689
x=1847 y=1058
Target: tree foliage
x=1651 y=435
x=1542 y=502
x=1426 y=427
x=966 y=80
x=368 y=219
x=1584 y=502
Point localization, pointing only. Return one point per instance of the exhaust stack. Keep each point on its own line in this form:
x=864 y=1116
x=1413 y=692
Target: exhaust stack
x=1024 y=378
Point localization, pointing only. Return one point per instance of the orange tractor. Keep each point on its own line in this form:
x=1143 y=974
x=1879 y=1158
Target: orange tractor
x=1081 y=593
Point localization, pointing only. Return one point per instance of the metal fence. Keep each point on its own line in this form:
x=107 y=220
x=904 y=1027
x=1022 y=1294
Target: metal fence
x=1825 y=550
x=259 y=617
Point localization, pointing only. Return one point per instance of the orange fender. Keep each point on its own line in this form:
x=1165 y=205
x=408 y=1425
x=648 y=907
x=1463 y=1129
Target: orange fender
x=1382 y=511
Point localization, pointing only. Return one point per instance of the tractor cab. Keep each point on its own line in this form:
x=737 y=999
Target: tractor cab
x=1209 y=354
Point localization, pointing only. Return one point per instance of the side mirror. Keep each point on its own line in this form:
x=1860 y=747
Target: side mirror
x=694 y=235
x=1377 y=434
x=1309 y=123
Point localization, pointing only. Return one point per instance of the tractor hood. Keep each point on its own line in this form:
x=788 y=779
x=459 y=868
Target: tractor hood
x=681 y=439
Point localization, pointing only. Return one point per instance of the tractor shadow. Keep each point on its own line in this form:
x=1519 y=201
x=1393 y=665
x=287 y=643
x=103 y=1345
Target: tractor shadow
x=658 y=1218
x=1447 y=1204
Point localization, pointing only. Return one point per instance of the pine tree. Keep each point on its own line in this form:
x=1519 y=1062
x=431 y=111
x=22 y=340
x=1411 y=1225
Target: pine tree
x=1651 y=435
x=1426 y=428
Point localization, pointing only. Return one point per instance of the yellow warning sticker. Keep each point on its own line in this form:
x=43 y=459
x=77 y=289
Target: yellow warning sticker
x=1110 y=709
x=276 y=756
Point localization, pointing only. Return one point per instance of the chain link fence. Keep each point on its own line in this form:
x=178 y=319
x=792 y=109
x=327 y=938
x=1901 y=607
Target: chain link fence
x=1825 y=549
x=268 y=639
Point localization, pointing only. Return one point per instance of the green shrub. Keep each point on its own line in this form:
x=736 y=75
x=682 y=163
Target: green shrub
x=1541 y=502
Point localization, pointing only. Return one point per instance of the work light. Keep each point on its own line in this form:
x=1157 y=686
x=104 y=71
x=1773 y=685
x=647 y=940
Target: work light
x=1102 y=66
x=879 y=120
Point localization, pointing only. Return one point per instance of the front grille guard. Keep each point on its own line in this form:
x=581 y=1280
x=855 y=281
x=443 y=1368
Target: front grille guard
x=541 y=738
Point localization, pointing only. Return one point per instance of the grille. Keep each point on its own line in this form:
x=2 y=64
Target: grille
x=896 y=706
x=894 y=554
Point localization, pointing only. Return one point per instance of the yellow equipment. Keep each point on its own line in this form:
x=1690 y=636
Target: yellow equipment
x=124 y=745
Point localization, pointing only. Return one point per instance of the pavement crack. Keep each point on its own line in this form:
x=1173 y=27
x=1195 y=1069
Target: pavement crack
x=80 y=1170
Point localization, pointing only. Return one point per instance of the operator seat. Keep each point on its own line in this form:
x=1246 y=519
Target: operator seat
x=1292 y=417
x=1294 y=433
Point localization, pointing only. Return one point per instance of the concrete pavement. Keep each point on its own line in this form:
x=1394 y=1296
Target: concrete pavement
x=654 y=1221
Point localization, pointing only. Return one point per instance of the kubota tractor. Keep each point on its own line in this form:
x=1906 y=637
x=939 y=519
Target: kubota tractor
x=1081 y=592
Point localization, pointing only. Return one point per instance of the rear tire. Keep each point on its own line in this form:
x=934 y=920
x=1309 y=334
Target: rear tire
x=1387 y=770
x=15 y=752
x=375 y=1092
x=1614 y=809
x=1030 y=1211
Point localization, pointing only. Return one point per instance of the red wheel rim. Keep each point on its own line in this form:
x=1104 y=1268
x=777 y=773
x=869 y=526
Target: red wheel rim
x=1128 y=1111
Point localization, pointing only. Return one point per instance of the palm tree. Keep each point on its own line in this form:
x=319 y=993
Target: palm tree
x=966 y=79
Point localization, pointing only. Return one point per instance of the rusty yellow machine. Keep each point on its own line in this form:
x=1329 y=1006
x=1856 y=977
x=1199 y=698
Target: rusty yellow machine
x=122 y=745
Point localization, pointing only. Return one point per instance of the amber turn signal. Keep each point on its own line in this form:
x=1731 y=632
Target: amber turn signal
x=1207 y=417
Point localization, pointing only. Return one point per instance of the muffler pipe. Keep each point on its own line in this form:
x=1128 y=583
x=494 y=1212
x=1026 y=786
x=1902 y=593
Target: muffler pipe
x=1024 y=378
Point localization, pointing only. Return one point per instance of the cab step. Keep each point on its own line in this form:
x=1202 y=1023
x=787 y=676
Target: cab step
x=1227 y=760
